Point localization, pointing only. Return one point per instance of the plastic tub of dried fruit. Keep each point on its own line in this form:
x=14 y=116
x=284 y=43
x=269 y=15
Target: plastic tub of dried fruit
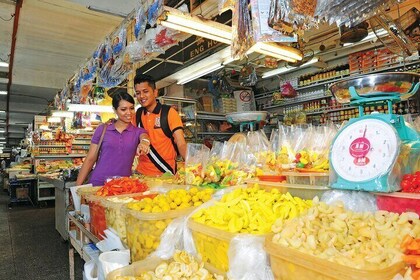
x=146 y=220
x=114 y=217
x=243 y=211
x=291 y=264
x=180 y=266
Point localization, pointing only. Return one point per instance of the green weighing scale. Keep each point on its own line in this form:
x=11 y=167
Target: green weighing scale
x=370 y=152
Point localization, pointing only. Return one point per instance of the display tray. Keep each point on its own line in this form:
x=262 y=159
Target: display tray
x=406 y=84
x=250 y=116
x=291 y=264
x=302 y=191
x=398 y=202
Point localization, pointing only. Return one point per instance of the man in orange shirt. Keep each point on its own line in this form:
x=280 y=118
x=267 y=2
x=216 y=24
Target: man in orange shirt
x=164 y=126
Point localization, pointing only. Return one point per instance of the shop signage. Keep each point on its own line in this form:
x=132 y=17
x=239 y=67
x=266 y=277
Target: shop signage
x=201 y=45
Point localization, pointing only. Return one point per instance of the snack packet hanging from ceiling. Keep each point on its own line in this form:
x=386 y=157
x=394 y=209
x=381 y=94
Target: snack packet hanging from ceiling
x=197 y=156
x=242 y=37
x=155 y=10
x=261 y=30
x=248 y=76
x=119 y=42
x=275 y=19
x=140 y=22
x=349 y=13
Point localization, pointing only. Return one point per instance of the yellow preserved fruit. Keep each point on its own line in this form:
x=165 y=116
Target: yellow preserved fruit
x=147 y=219
x=359 y=240
x=183 y=266
x=244 y=210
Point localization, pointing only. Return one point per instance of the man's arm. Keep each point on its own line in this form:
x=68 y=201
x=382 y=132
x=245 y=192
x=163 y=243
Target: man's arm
x=180 y=142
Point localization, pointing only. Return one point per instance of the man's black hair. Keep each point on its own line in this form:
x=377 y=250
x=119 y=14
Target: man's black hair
x=141 y=78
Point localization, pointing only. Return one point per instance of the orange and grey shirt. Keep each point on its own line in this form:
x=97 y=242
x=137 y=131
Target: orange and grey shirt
x=162 y=154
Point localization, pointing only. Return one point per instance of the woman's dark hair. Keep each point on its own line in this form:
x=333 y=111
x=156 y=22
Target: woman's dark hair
x=121 y=96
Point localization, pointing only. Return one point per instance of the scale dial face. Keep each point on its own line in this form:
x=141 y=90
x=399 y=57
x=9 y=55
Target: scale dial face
x=364 y=150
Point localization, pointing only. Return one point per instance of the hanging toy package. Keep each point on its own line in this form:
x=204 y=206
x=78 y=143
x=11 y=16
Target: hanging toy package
x=140 y=22
x=248 y=76
x=119 y=42
x=288 y=91
x=155 y=10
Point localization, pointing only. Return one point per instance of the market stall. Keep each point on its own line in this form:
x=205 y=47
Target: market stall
x=313 y=163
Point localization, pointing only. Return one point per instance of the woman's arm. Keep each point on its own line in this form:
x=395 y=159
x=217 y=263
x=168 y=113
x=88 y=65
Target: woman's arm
x=87 y=164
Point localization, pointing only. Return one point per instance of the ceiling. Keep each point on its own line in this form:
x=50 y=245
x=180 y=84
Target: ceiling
x=54 y=38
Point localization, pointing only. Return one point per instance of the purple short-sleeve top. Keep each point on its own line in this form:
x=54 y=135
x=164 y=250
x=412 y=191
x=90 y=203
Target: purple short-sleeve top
x=117 y=152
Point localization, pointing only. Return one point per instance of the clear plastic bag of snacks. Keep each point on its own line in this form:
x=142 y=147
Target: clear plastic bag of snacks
x=197 y=156
x=242 y=37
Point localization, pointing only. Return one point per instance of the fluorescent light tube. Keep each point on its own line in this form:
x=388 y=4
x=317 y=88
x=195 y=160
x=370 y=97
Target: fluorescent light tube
x=195 y=25
x=54 y=120
x=2 y=131
x=89 y=108
x=277 y=51
x=2 y=111
x=63 y=114
x=200 y=73
x=4 y=64
x=3 y=92
x=282 y=70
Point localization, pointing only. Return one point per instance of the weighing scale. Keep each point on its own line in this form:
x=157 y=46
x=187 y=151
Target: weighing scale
x=371 y=152
x=247 y=120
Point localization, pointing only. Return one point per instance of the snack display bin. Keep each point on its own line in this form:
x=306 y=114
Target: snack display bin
x=149 y=264
x=97 y=215
x=398 y=202
x=145 y=229
x=85 y=191
x=114 y=217
x=291 y=264
x=212 y=244
x=307 y=178
x=304 y=192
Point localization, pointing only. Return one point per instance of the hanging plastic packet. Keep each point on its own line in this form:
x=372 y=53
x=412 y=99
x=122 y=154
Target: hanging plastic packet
x=275 y=19
x=248 y=76
x=165 y=37
x=150 y=45
x=136 y=51
x=242 y=37
x=155 y=10
x=119 y=42
x=140 y=22
x=288 y=91
x=262 y=31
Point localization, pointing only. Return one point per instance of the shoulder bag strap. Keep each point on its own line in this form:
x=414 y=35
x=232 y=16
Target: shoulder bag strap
x=100 y=141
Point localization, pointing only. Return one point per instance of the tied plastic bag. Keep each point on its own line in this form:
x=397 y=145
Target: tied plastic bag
x=288 y=91
x=248 y=76
x=244 y=267
x=119 y=42
x=242 y=37
x=197 y=156
x=262 y=31
x=259 y=146
x=136 y=51
x=285 y=152
x=353 y=201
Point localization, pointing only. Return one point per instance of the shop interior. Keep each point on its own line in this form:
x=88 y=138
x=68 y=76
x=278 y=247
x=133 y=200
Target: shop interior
x=302 y=127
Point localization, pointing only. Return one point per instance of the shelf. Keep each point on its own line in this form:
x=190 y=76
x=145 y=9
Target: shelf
x=301 y=100
x=211 y=116
x=46 y=198
x=216 y=133
x=335 y=79
x=59 y=156
x=50 y=146
x=49 y=186
x=326 y=110
x=83 y=144
x=323 y=82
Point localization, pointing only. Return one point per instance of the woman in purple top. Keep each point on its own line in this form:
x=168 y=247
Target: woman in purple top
x=121 y=142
